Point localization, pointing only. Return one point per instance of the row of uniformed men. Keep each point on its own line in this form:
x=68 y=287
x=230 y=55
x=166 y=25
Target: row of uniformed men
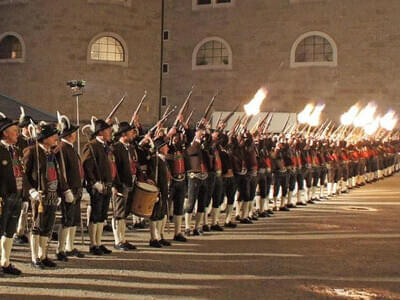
x=200 y=165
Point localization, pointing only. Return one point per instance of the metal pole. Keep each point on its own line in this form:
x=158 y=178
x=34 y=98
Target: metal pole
x=77 y=124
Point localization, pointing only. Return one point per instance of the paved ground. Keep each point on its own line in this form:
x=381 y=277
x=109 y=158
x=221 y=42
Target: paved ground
x=323 y=251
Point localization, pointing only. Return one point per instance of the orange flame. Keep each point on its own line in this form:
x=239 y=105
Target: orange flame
x=304 y=115
x=253 y=107
x=316 y=115
x=388 y=121
x=348 y=117
x=365 y=116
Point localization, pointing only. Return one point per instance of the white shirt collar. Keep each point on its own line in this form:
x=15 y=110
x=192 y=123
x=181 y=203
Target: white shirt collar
x=100 y=140
x=7 y=145
x=44 y=148
x=162 y=156
x=69 y=143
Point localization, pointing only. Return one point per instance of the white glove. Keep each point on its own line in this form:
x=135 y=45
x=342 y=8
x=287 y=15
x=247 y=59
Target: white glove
x=34 y=195
x=69 y=196
x=58 y=201
x=24 y=207
x=98 y=186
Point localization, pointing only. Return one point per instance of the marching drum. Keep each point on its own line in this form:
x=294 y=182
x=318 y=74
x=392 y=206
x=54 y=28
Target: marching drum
x=144 y=197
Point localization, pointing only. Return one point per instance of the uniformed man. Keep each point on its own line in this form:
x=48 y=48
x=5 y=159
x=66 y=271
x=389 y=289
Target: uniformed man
x=101 y=175
x=11 y=174
x=71 y=201
x=44 y=184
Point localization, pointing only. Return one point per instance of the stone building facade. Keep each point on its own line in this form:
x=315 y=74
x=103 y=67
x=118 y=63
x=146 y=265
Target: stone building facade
x=56 y=38
x=362 y=63
x=333 y=51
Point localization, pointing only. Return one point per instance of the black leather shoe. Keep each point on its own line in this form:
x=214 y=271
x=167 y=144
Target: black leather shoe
x=290 y=205
x=121 y=247
x=196 y=232
x=263 y=214
x=180 y=238
x=245 y=221
x=301 y=204
x=206 y=228
x=105 y=250
x=269 y=211
x=230 y=225
x=107 y=227
x=21 y=239
x=75 y=252
x=95 y=250
x=11 y=270
x=254 y=218
x=164 y=242
x=187 y=232
x=237 y=218
x=49 y=263
x=129 y=246
x=37 y=264
x=216 y=227
x=310 y=202
x=284 y=208
x=61 y=256
x=155 y=244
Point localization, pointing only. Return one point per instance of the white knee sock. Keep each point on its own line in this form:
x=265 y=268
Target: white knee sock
x=116 y=230
x=71 y=239
x=43 y=247
x=153 y=231
x=92 y=234
x=6 y=245
x=99 y=233
x=188 y=219
x=22 y=223
x=228 y=216
x=62 y=236
x=35 y=247
x=198 y=218
x=177 y=224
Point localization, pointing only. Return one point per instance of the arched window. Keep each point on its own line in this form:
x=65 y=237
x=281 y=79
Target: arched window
x=212 y=53
x=314 y=49
x=108 y=48
x=12 y=47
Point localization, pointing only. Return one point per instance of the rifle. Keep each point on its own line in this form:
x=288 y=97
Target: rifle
x=284 y=127
x=114 y=110
x=207 y=111
x=138 y=107
x=162 y=120
x=183 y=107
x=189 y=117
x=267 y=124
x=227 y=118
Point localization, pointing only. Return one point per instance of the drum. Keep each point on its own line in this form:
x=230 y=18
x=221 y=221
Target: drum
x=144 y=197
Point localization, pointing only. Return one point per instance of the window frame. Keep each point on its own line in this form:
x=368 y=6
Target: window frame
x=333 y=63
x=213 y=4
x=212 y=67
x=107 y=62
x=23 y=48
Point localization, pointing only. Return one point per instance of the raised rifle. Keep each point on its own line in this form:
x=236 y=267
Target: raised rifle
x=266 y=127
x=136 y=112
x=162 y=120
x=189 y=118
x=207 y=111
x=227 y=118
x=286 y=124
x=183 y=107
x=114 y=110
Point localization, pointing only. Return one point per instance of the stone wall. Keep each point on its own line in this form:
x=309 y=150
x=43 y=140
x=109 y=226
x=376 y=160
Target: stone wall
x=261 y=34
x=57 y=34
